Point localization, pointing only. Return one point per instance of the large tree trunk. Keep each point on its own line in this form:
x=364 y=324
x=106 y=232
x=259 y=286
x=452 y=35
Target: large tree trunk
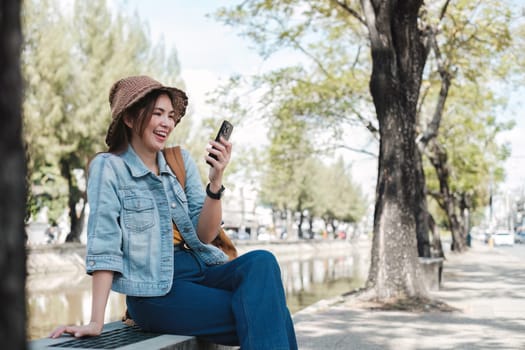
x=438 y=158
x=77 y=221
x=310 y=226
x=398 y=57
x=429 y=135
x=437 y=247
x=75 y=196
x=12 y=182
x=464 y=207
x=300 y=210
x=421 y=210
x=300 y=225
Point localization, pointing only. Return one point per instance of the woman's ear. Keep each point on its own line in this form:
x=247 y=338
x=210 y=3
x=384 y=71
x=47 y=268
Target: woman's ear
x=127 y=120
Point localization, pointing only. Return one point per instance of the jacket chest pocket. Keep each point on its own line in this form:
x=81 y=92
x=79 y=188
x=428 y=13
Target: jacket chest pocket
x=139 y=213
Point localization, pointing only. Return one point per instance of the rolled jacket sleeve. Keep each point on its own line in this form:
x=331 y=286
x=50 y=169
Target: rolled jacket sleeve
x=104 y=235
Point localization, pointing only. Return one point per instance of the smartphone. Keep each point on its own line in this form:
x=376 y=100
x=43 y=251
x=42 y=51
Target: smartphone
x=225 y=131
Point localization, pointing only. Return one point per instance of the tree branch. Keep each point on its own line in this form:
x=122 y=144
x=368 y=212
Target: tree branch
x=350 y=10
x=444 y=10
x=433 y=127
x=299 y=47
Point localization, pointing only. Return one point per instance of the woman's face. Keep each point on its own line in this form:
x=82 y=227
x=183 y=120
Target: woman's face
x=162 y=122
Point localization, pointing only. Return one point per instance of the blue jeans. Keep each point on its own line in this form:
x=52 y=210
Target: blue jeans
x=241 y=302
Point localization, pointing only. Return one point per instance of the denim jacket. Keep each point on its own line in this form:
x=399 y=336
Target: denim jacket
x=130 y=228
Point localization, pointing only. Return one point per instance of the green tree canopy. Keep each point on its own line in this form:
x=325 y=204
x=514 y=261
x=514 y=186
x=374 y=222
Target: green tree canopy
x=71 y=56
x=415 y=51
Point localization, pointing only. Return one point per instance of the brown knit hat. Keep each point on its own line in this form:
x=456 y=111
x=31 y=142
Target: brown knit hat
x=127 y=91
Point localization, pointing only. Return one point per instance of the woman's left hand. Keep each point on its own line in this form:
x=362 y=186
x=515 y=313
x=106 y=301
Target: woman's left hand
x=222 y=150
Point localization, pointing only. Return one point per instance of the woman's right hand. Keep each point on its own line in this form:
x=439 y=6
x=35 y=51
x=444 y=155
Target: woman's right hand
x=91 y=329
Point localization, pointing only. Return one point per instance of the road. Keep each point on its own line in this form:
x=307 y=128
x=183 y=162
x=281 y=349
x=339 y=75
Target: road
x=485 y=284
x=517 y=250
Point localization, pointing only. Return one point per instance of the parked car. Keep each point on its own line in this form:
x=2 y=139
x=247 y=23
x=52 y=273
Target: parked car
x=264 y=237
x=243 y=235
x=237 y=234
x=503 y=237
x=519 y=237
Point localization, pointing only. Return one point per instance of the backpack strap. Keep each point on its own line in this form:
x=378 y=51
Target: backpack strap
x=175 y=161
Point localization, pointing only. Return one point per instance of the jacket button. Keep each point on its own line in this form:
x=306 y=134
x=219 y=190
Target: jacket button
x=91 y=263
x=173 y=205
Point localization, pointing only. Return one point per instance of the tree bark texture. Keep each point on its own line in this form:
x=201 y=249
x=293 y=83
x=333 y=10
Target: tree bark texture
x=12 y=182
x=437 y=247
x=398 y=56
x=75 y=196
x=428 y=136
x=421 y=210
x=438 y=158
x=300 y=225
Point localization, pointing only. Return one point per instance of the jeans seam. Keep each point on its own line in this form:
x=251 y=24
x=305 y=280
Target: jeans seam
x=245 y=316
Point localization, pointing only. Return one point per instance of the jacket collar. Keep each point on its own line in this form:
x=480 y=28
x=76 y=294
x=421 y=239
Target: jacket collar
x=137 y=166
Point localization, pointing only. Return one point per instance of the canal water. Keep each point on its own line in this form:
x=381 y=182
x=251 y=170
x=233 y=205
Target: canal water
x=65 y=298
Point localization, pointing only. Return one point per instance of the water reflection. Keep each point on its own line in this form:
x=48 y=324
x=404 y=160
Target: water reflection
x=66 y=299
x=309 y=281
x=51 y=303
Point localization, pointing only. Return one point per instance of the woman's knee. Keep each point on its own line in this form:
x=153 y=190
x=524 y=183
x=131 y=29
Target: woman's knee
x=262 y=257
x=261 y=260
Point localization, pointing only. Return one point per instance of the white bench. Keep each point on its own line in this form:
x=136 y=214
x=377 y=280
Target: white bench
x=432 y=269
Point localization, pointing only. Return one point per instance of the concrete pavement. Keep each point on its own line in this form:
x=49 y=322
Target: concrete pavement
x=486 y=284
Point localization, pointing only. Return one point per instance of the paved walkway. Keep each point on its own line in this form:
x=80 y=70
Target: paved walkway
x=486 y=284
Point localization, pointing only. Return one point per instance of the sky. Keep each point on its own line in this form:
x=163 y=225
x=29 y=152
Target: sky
x=210 y=52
